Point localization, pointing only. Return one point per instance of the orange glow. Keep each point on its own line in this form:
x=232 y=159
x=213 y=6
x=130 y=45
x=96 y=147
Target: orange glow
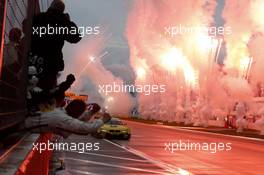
x=73 y=96
x=141 y=73
x=245 y=65
x=171 y=59
x=174 y=59
x=92 y=58
x=205 y=43
x=257 y=12
x=110 y=99
x=237 y=50
x=183 y=172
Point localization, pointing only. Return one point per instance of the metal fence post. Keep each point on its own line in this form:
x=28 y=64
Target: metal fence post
x=2 y=31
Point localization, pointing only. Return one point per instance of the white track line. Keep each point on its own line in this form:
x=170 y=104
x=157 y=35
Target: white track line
x=81 y=172
x=170 y=168
x=115 y=166
x=108 y=156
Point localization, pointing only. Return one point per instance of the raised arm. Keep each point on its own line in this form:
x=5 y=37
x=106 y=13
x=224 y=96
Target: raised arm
x=78 y=127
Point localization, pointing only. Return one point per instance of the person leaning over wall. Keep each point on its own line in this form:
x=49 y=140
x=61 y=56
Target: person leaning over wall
x=66 y=121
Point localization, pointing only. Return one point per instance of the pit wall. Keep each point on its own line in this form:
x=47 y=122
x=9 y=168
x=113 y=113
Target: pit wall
x=36 y=163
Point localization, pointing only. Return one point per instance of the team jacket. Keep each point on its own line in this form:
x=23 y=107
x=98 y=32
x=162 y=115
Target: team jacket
x=58 y=122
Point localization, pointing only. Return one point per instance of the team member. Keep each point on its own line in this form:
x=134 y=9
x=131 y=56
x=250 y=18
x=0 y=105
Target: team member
x=64 y=121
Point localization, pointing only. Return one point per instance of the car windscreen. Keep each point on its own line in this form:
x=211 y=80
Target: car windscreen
x=115 y=122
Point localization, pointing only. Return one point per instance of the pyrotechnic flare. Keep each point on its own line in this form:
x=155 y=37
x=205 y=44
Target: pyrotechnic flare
x=141 y=73
x=255 y=72
x=188 y=115
x=206 y=114
x=173 y=59
x=260 y=122
x=257 y=13
x=245 y=64
x=247 y=37
x=182 y=61
x=91 y=59
x=179 y=114
x=237 y=42
x=241 y=121
x=220 y=114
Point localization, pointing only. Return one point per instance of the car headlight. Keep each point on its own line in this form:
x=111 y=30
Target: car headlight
x=103 y=130
x=126 y=131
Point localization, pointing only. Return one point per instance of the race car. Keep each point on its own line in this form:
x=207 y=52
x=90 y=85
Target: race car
x=115 y=128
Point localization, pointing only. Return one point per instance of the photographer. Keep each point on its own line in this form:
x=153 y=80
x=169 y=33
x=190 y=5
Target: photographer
x=46 y=49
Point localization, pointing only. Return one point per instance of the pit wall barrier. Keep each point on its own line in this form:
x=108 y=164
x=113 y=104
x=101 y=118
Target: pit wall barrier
x=37 y=163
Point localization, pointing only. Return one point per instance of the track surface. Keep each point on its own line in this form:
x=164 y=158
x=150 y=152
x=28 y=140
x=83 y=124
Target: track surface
x=146 y=153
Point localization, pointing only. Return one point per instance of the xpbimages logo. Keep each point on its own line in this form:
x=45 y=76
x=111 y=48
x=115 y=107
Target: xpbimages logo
x=61 y=30
x=176 y=30
x=145 y=89
x=182 y=145
x=80 y=147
